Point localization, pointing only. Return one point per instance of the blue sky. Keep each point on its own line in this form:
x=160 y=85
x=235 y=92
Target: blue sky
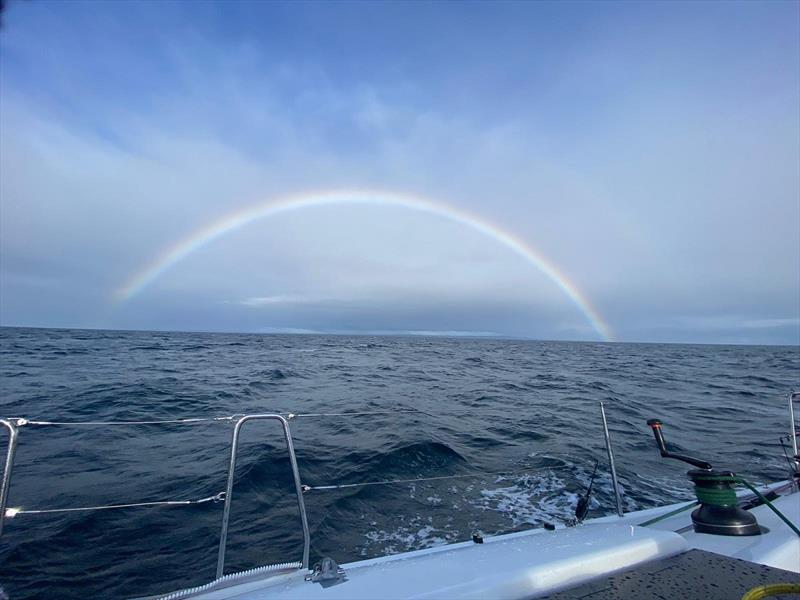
x=649 y=151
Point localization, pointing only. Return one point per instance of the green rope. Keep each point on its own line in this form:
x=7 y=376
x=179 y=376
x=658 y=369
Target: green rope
x=791 y=525
x=716 y=497
x=671 y=513
x=723 y=497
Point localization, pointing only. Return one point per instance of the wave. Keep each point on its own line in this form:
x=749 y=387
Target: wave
x=489 y=406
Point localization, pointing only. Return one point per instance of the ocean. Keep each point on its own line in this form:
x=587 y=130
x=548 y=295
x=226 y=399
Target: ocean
x=445 y=406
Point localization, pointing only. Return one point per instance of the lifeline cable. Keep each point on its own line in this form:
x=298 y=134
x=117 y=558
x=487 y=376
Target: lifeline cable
x=310 y=488
x=13 y=512
x=356 y=414
x=20 y=422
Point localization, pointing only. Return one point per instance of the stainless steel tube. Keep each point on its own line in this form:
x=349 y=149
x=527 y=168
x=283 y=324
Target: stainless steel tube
x=611 y=463
x=13 y=432
x=223 y=538
x=793 y=397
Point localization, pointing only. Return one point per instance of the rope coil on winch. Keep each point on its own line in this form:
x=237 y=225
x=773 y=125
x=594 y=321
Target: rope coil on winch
x=716 y=497
x=741 y=480
x=723 y=497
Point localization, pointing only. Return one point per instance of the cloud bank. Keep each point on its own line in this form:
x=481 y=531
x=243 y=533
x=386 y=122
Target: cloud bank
x=649 y=151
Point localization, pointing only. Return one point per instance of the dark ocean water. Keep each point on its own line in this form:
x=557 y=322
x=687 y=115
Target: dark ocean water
x=485 y=405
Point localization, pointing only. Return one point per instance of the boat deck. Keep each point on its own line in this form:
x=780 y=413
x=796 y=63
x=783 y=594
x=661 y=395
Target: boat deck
x=522 y=565
x=610 y=557
x=693 y=574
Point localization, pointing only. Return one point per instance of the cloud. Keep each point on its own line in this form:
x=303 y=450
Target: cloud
x=737 y=322
x=659 y=178
x=270 y=300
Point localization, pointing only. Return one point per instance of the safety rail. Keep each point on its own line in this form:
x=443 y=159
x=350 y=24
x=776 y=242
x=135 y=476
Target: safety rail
x=12 y=447
x=13 y=426
x=223 y=538
x=794 y=398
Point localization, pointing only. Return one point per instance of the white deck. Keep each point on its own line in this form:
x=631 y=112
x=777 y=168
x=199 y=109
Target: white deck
x=534 y=563
x=513 y=566
x=779 y=548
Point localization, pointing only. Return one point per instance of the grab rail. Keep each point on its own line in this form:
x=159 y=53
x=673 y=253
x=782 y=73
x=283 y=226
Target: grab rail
x=229 y=489
x=793 y=397
x=13 y=432
x=611 y=464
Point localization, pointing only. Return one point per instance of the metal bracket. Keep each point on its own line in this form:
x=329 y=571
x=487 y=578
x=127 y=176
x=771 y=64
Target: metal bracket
x=327 y=573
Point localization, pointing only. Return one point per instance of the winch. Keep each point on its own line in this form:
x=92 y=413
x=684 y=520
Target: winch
x=719 y=512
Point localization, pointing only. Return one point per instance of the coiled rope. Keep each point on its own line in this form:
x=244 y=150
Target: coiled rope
x=718 y=498
x=722 y=497
x=771 y=589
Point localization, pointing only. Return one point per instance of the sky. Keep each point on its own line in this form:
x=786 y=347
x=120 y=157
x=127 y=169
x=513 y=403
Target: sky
x=582 y=171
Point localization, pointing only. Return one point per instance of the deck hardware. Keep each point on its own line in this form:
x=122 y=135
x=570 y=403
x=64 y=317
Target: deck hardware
x=327 y=573
x=582 y=509
x=477 y=537
x=612 y=465
x=13 y=432
x=794 y=397
x=655 y=425
x=718 y=513
x=226 y=512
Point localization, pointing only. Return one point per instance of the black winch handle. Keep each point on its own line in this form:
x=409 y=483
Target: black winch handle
x=655 y=425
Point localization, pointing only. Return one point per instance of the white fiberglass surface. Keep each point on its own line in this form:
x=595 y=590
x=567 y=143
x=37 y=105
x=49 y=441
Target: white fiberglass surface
x=779 y=547
x=518 y=566
x=530 y=563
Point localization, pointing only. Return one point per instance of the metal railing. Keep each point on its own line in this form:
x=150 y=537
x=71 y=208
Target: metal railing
x=793 y=431
x=13 y=432
x=611 y=464
x=223 y=537
x=13 y=426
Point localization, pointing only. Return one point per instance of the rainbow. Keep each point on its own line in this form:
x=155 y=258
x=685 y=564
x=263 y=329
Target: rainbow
x=175 y=253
